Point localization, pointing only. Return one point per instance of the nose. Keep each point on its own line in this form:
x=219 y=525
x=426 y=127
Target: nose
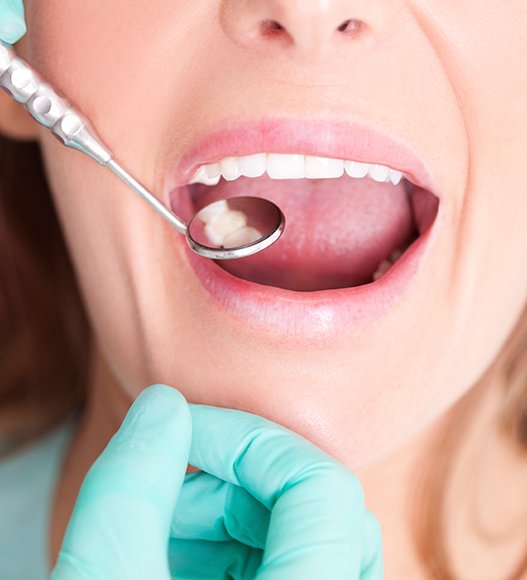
x=304 y=26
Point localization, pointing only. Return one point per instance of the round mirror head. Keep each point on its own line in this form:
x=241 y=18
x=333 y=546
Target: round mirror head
x=235 y=228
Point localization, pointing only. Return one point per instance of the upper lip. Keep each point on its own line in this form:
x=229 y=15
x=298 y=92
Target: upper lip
x=357 y=141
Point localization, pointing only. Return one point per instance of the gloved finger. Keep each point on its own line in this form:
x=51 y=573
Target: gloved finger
x=204 y=560
x=12 y=23
x=212 y=509
x=372 y=562
x=316 y=527
x=120 y=526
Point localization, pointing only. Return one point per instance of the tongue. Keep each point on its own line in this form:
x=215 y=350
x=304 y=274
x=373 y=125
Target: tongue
x=337 y=230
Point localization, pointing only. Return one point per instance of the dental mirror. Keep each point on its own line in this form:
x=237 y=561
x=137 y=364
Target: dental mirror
x=224 y=230
x=235 y=228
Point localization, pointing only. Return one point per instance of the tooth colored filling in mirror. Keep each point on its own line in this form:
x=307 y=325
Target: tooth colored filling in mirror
x=227 y=228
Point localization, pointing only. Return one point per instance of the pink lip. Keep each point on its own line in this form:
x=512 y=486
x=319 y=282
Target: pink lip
x=307 y=317
x=310 y=317
x=357 y=141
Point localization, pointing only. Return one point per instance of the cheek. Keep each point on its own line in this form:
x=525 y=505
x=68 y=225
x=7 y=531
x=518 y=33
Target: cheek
x=111 y=77
x=97 y=249
x=484 y=53
x=110 y=58
x=75 y=46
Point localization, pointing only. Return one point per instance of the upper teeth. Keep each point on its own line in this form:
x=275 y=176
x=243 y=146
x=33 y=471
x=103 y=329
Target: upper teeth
x=291 y=166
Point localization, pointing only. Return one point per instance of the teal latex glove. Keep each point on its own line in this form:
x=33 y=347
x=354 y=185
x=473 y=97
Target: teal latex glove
x=12 y=23
x=268 y=504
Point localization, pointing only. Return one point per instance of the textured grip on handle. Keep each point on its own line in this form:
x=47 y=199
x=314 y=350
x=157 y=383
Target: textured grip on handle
x=20 y=81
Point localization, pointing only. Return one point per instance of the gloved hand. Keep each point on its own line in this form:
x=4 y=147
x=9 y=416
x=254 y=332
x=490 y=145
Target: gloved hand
x=12 y=23
x=268 y=504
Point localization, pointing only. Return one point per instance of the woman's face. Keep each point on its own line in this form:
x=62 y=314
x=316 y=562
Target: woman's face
x=435 y=88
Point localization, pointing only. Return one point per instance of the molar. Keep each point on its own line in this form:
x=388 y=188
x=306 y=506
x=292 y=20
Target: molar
x=221 y=223
x=387 y=263
x=201 y=177
x=382 y=268
x=242 y=237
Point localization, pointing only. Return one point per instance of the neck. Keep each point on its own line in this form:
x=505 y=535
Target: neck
x=390 y=485
x=393 y=489
x=105 y=410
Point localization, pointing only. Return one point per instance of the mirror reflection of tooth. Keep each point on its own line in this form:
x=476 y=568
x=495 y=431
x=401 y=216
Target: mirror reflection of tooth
x=229 y=222
x=215 y=238
x=214 y=210
x=242 y=237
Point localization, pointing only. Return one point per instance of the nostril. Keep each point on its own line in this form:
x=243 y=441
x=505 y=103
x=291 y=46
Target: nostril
x=351 y=26
x=272 y=28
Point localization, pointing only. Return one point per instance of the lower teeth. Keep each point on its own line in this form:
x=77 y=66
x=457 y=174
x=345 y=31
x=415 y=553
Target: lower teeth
x=386 y=264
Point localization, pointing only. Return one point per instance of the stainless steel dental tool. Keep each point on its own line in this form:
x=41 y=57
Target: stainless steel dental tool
x=223 y=230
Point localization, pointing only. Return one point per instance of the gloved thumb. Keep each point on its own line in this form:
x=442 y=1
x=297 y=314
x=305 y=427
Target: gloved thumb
x=120 y=526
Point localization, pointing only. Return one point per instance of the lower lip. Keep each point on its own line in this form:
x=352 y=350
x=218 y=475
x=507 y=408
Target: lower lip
x=308 y=317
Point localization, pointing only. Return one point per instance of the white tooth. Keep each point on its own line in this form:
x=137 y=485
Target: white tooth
x=223 y=224
x=383 y=267
x=213 y=170
x=228 y=222
x=215 y=238
x=229 y=168
x=211 y=182
x=356 y=169
x=380 y=173
x=252 y=165
x=323 y=168
x=212 y=211
x=199 y=176
x=241 y=237
x=395 y=176
x=285 y=166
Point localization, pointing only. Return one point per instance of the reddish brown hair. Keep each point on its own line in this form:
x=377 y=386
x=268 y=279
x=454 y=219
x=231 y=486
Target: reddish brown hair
x=43 y=330
x=44 y=341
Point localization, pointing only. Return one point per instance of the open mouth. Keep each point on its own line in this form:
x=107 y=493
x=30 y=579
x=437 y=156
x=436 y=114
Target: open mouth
x=348 y=222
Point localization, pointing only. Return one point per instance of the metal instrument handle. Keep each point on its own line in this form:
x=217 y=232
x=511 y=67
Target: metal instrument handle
x=67 y=124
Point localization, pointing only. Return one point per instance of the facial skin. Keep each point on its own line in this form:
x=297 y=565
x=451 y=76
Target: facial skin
x=447 y=77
